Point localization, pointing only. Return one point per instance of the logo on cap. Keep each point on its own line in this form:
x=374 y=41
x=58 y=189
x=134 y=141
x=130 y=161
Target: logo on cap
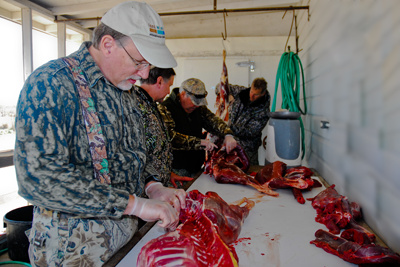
x=156 y=31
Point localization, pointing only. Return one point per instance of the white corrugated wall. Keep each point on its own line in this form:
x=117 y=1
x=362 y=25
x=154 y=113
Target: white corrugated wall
x=351 y=58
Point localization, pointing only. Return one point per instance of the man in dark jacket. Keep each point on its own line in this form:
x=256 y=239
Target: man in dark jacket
x=159 y=149
x=248 y=115
x=186 y=114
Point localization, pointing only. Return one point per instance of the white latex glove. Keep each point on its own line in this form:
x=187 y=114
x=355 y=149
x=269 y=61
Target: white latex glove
x=230 y=143
x=208 y=144
x=175 y=197
x=151 y=210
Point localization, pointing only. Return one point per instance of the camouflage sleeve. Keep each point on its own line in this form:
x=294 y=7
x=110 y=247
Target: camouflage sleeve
x=179 y=141
x=150 y=173
x=234 y=90
x=46 y=124
x=214 y=124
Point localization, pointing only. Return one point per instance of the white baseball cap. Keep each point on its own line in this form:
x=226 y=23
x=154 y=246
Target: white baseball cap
x=144 y=26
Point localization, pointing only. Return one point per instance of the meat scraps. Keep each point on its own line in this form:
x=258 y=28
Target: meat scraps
x=355 y=253
x=208 y=225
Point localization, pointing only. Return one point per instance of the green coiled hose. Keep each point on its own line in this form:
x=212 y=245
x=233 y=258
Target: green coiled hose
x=288 y=75
x=12 y=262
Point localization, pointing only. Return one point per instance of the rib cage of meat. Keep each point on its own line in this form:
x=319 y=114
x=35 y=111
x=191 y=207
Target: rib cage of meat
x=208 y=225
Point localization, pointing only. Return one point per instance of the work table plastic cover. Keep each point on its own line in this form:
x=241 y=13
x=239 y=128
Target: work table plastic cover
x=277 y=232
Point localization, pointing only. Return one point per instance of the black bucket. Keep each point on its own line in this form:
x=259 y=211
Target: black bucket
x=17 y=222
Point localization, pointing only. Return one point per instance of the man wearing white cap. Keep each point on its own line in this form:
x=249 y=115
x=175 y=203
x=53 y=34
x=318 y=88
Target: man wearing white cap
x=80 y=153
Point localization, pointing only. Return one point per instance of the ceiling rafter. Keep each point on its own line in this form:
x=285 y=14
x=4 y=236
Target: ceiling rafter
x=47 y=14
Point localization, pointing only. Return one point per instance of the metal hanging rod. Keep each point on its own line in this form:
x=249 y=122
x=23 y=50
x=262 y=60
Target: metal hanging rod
x=234 y=10
x=257 y=9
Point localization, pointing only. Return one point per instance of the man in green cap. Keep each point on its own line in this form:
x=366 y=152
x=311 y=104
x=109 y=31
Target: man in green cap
x=186 y=114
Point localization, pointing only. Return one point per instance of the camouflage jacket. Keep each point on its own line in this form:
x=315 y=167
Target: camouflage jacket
x=185 y=131
x=248 y=119
x=159 y=149
x=52 y=158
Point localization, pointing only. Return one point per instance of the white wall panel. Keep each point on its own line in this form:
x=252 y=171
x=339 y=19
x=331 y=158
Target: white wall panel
x=352 y=67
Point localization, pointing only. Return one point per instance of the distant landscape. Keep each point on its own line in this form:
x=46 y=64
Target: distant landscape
x=7 y=131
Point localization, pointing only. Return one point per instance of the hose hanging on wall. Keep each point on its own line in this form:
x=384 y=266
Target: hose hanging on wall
x=288 y=75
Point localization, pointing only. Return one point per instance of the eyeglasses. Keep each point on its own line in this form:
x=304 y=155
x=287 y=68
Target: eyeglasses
x=138 y=65
x=196 y=96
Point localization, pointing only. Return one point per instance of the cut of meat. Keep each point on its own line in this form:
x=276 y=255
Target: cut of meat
x=336 y=212
x=273 y=176
x=270 y=171
x=282 y=182
x=333 y=210
x=298 y=195
x=227 y=218
x=301 y=170
x=228 y=173
x=356 y=233
x=230 y=169
x=353 y=252
x=238 y=157
x=276 y=176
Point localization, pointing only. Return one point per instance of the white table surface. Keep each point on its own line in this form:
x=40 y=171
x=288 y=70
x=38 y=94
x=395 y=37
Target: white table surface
x=277 y=232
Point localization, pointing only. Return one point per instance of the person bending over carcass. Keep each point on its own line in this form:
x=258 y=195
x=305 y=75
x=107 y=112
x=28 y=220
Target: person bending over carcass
x=185 y=113
x=248 y=115
x=151 y=92
x=80 y=153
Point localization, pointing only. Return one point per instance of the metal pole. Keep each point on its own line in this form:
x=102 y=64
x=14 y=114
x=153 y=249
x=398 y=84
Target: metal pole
x=297 y=37
x=258 y=9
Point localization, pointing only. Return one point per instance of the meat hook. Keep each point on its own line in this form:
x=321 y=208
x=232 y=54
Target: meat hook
x=226 y=35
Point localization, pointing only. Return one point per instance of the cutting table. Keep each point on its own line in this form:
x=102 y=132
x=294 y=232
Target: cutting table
x=277 y=232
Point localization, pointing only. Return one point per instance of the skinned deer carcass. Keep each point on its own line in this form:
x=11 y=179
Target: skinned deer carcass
x=222 y=102
x=276 y=176
x=208 y=225
x=194 y=243
x=230 y=169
